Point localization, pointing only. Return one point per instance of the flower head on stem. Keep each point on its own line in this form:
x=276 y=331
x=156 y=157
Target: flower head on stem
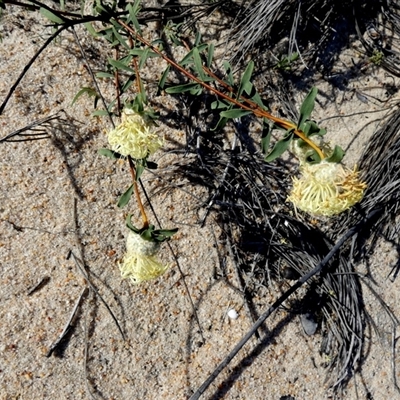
x=134 y=136
x=140 y=262
x=326 y=189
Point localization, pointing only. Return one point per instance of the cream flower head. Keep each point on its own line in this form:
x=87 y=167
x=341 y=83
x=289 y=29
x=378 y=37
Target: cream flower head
x=326 y=189
x=140 y=262
x=134 y=136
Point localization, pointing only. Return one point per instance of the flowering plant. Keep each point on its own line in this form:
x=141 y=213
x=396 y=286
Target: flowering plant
x=134 y=136
x=326 y=189
x=140 y=262
x=134 y=139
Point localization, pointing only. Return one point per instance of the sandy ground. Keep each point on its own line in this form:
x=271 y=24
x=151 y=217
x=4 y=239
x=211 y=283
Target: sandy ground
x=59 y=196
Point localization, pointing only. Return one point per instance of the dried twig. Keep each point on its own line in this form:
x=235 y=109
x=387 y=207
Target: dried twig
x=317 y=270
x=70 y=323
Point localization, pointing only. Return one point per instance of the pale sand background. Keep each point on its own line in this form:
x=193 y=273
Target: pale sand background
x=162 y=357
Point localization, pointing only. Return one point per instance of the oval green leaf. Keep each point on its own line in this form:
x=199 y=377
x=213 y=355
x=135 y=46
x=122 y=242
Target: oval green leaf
x=183 y=88
x=245 y=81
x=110 y=154
x=124 y=199
x=337 y=155
x=266 y=137
x=120 y=65
x=235 y=113
x=164 y=77
x=280 y=147
x=307 y=107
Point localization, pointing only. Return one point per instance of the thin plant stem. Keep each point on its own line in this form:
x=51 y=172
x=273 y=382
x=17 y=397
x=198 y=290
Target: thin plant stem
x=138 y=85
x=137 y=194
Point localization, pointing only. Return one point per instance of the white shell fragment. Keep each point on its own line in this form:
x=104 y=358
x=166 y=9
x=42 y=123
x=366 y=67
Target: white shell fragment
x=232 y=314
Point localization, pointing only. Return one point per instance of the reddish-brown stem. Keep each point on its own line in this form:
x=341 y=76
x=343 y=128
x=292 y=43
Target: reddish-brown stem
x=138 y=85
x=137 y=194
x=247 y=105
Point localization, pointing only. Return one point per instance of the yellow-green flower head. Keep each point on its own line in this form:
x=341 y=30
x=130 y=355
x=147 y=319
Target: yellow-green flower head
x=140 y=262
x=326 y=189
x=134 y=136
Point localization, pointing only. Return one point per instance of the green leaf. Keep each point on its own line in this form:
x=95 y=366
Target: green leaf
x=198 y=64
x=163 y=234
x=140 y=101
x=111 y=106
x=158 y=42
x=143 y=58
x=139 y=170
x=234 y=113
x=100 y=9
x=90 y=29
x=183 y=88
x=219 y=104
x=128 y=84
x=313 y=157
x=120 y=39
x=149 y=233
x=228 y=70
x=88 y=90
x=210 y=54
x=310 y=128
x=120 y=65
x=221 y=123
x=164 y=77
x=50 y=16
x=102 y=74
x=280 y=147
x=245 y=81
x=157 y=235
x=337 y=155
x=257 y=99
x=196 y=91
x=266 y=136
x=285 y=62
x=249 y=89
x=110 y=154
x=197 y=39
x=307 y=107
x=189 y=58
x=133 y=11
x=140 y=52
x=124 y=199
x=137 y=104
x=135 y=7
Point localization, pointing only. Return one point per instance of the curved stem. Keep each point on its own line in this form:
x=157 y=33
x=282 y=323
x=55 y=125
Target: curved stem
x=246 y=105
x=137 y=194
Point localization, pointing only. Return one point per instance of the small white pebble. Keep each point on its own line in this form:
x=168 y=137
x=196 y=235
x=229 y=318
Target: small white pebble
x=232 y=314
